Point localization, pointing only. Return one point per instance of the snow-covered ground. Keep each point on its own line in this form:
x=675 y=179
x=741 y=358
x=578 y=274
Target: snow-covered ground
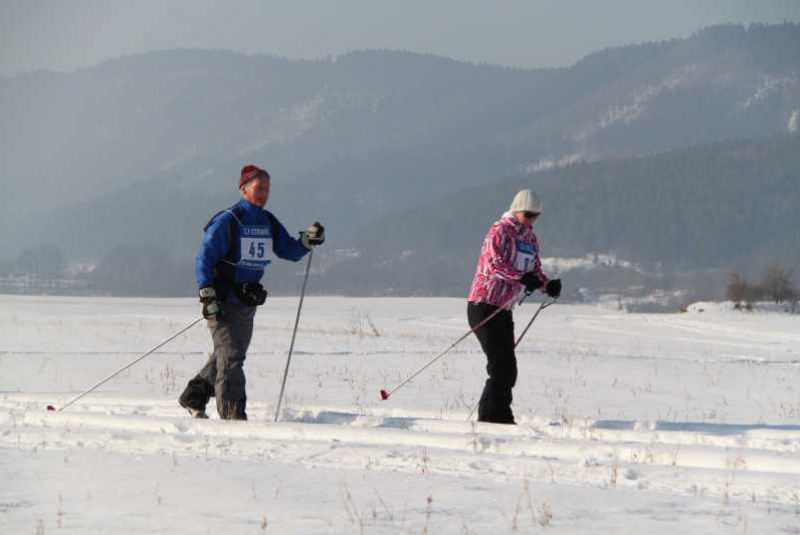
x=657 y=424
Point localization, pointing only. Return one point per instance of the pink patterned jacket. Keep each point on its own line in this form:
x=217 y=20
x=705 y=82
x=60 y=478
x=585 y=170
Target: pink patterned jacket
x=509 y=251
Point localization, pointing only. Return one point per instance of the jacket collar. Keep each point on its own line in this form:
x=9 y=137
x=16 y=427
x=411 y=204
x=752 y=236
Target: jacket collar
x=508 y=219
x=249 y=207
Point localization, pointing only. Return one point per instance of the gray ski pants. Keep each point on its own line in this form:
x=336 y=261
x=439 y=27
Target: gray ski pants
x=223 y=374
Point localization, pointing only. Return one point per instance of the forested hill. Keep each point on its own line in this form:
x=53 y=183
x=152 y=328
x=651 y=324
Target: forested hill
x=359 y=122
x=401 y=153
x=727 y=206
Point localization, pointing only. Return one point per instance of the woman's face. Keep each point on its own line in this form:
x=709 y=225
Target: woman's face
x=526 y=218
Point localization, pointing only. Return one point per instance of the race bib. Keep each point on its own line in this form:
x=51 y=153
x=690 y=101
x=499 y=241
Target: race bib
x=256 y=243
x=525 y=256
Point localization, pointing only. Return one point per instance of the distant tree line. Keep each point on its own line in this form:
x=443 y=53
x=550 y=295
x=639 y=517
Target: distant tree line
x=46 y=261
x=123 y=271
x=38 y=270
x=148 y=271
x=776 y=285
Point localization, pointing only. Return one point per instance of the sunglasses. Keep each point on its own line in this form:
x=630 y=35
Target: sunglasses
x=530 y=215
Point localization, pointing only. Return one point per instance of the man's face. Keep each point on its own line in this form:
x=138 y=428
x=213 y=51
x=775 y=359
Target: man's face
x=256 y=191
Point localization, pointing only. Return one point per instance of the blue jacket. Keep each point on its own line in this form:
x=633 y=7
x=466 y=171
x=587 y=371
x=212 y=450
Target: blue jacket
x=243 y=256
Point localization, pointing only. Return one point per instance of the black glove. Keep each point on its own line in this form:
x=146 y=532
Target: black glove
x=251 y=294
x=553 y=287
x=211 y=307
x=531 y=282
x=313 y=235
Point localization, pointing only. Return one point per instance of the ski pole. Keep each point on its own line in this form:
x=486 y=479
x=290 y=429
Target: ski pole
x=544 y=305
x=73 y=400
x=385 y=395
x=294 y=333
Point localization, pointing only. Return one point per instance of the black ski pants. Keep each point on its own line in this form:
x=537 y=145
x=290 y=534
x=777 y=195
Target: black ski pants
x=222 y=376
x=497 y=340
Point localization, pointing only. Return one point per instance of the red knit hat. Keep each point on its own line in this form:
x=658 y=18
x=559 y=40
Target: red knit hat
x=249 y=172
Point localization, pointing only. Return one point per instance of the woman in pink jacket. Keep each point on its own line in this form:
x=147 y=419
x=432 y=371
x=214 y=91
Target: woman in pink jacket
x=509 y=264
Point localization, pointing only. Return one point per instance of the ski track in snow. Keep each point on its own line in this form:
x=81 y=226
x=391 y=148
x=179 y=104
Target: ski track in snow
x=681 y=458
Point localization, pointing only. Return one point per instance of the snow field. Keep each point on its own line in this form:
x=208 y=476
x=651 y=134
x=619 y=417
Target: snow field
x=628 y=423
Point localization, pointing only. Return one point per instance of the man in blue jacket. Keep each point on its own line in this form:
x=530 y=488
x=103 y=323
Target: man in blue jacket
x=236 y=249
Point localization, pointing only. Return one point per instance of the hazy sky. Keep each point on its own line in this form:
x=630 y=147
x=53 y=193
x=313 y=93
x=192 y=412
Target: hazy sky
x=68 y=34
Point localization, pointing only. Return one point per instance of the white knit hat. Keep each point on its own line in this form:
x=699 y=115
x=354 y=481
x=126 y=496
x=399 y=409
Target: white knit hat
x=526 y=201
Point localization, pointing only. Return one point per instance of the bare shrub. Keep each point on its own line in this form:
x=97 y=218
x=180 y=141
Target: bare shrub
x=777 y=284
